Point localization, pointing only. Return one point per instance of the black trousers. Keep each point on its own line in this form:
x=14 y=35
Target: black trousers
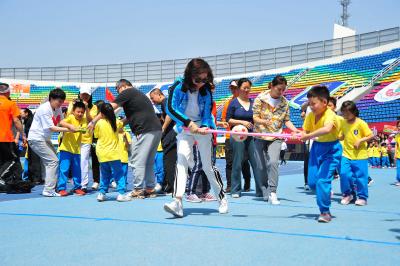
x=282 y=156
x=169 y=159
x=34 y=167
x=228 y=166
x=95 y=165
x=306 y=156
x=10 y=166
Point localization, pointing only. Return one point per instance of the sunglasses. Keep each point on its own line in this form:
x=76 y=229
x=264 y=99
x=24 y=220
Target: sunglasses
x=198 y=80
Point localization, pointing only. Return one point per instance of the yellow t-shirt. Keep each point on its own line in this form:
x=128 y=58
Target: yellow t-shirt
x=384 y=152
x=352 y=132
x=397 y=140
x=376 y=152
x=370 y=151
x=122 y=146
x=107 y=149
x=87 y=137
x=327 y=117
x=71 y=142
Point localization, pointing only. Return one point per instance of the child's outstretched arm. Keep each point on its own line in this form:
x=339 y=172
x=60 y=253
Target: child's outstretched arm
x=319 y=132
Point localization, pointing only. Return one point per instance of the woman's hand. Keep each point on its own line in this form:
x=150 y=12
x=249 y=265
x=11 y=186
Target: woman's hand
x=247 y=124
x=193 y=127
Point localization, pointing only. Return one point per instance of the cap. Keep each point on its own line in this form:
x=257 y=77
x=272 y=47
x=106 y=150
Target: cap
x=4 y=87
x=233 y=83
x=85 y=89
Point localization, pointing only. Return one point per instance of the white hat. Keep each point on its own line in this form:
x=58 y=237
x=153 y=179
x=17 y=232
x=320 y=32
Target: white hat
x=85 y=89
x=233 y=83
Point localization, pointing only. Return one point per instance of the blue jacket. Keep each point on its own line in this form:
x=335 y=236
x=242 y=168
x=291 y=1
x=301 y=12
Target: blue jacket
x=177 y=103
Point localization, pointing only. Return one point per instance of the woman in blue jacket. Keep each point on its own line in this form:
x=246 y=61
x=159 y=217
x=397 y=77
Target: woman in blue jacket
x=189 y=104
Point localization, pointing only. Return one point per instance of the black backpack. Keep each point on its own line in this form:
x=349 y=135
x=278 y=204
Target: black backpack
x=11 y=180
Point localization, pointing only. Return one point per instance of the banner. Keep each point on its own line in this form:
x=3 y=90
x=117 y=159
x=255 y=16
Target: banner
x=389 y=93
x=20 y=90
x=301 y=98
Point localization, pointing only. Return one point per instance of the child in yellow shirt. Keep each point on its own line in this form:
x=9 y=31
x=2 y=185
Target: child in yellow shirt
x=70 y=149
x=125 y=141
x=369 y=152
x=376 y=155
x=108 y=153
x=326 y=150
x=354 y=163
x=397 y=154
x=384 y=156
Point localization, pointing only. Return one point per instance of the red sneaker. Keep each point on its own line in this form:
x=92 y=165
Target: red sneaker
x=79 y=192
x=63 y=193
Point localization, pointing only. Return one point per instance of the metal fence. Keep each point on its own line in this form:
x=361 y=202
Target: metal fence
x=222 y=65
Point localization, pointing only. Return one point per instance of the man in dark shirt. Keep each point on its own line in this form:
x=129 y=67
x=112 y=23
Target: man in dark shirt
x=168 y=141
x=146 y=127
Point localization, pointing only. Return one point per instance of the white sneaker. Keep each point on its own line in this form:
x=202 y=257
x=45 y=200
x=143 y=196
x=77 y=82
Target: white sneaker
x=158 y=188
x=235 y=196
x=223 y=206
x=307 y=187
x=124 y=197
x=346 y=200
x=95 y=186
x=273 y=199
x=113 y=184
x=50 y=194
x=101 y=197
x=175 y=208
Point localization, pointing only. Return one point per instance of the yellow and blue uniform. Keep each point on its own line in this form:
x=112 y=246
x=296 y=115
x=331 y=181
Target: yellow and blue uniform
x=159 y=164
x=384 y=157
x=369 y=152
x=69 y=154
x=325 y=155
x=108 y=153
x=376 y=156
x=397 y=140
x=124 y=139
x=354 y=164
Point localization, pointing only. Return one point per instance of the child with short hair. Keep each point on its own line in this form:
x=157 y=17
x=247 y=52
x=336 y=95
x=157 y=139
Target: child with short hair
x=326 y=150
x=45 y=122
x=384 y=156
x=107 y=151
x=70 y=150
x=354 y=163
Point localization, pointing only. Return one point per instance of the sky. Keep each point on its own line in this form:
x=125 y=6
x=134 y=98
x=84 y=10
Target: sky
x=86 y=32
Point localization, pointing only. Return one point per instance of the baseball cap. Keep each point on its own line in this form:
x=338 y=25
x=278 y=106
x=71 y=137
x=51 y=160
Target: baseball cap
x=4 y=87
x=85 y=89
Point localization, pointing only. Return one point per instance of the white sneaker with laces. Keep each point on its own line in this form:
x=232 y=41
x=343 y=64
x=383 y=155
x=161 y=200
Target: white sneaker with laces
x=95 y=186
x=223 y=206
x=101 y=197
x=124 y=197
x=175 y=208
x=50 y=194
x=273 y=199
